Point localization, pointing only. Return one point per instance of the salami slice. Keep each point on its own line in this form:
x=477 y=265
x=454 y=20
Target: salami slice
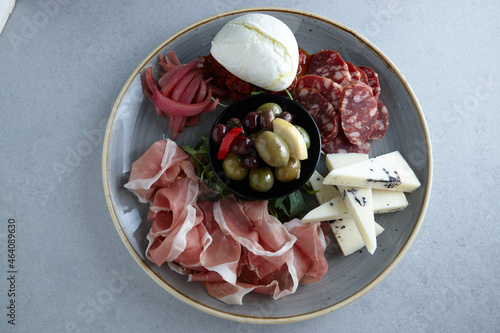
x=327 y=120
x=382 y=122
x=328 y=125
x=330 y=90
x=354 y=71
x=372 y=80
x=340 y=144
x=330 y=64
x=363 y=78
x=358 y=112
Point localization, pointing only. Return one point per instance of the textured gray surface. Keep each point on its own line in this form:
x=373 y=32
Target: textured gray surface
x=62 y=65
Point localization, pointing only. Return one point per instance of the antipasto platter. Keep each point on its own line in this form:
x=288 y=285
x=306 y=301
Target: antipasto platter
x=328 y=283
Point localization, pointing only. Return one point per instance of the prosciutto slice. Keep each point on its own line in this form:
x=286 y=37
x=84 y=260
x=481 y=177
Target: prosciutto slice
x=234 y=247
x=174 y=214
x=158 y=167
x=250 y=224
x=311 y=243
x=222 y=253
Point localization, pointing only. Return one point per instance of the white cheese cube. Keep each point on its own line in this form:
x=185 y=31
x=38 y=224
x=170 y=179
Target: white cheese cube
x=347 y=235
x=387 y=172
x=325 y=192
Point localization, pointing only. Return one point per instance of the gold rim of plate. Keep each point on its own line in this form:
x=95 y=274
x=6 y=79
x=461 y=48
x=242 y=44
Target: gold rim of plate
x=252 y=319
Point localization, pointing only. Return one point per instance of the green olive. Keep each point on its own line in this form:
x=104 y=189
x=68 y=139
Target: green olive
x=233 y=167
x=273 y=106
x=289 y=172
x=306 y=137
x=272 y=149
x=261 y=179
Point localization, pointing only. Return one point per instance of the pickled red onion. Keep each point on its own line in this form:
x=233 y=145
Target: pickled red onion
x=181 y=92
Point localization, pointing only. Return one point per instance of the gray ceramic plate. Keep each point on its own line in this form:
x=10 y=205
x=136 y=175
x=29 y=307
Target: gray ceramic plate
x=133 y=126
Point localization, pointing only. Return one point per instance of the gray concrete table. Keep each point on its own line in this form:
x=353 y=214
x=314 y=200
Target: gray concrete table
x=62 y=65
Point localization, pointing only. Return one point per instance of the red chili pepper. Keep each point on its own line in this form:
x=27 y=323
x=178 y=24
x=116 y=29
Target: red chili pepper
x=225 y=145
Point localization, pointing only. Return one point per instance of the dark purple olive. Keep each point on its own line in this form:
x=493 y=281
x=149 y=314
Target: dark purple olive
x=219 y=132
x=241 y=144
x=251 y=161
x=251 y=121
x=286 y=116
x=266 y=119
x=234 y=123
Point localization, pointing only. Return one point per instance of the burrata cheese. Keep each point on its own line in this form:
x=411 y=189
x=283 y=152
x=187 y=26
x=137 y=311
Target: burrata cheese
x=259 y=49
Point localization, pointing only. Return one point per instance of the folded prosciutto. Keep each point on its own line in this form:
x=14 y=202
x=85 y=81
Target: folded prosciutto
x=158 y=167
x=174 y=234
x=233 y=246
x=222 y=253
x=311 y=244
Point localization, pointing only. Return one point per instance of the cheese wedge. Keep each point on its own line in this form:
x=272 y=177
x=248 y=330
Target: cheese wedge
x=325 y=192
x=388 y=201
x=387 y=172
x=335 y=208
x=347 y=235
x=358 y=200
x=383 y=201
x=331 y=210
x=337 y=161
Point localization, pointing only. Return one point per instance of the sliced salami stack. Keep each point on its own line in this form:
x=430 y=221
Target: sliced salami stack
x=344 y=99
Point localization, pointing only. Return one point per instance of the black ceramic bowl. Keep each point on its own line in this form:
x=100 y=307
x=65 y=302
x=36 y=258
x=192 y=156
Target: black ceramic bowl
x=301 y=117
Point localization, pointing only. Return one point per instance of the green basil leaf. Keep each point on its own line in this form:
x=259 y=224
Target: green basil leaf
x=297 y=204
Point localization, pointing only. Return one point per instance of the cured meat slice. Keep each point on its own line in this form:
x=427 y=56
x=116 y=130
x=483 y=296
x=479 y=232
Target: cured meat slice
x=229 y=293
x=313 y=101
x=362 y=77
x=233 y=247
x=271 y=233
x=354 y=71
x=259 y=232
x=250 y=224
x=330 y=64
x=373 y=81
x=305 y=264
x=358 y=112
x=382 y=122
x=330 y=90
x=222 y=253
x=174 y=214
x=340 y=144
x=312 y=243
x=323 y=113
x=281 y=282
x=158 y=167
x=329 y=125
x=284 y=281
